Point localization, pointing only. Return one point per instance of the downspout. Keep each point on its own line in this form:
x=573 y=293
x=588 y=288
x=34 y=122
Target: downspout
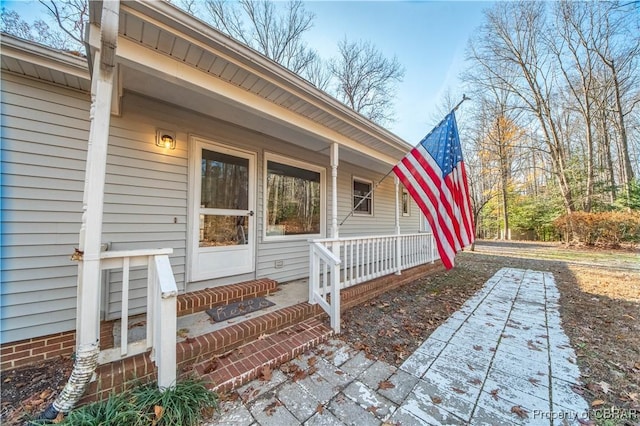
x=88 y=300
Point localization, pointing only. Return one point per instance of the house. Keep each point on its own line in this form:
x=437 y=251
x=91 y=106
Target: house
x=174 y=162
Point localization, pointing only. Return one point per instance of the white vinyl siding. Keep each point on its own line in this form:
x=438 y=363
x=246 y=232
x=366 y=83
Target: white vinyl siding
x=382 y=221
x=44 y=136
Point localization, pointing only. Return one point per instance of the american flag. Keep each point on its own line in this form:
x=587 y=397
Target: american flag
x=435 y=176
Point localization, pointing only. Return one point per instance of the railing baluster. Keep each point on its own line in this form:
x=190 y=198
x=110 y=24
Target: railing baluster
x=152 y=290
x=124 y=322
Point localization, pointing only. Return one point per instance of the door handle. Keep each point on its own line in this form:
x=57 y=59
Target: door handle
x=251 y=213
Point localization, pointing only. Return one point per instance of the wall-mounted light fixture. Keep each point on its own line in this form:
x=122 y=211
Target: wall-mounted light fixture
x=166 y=139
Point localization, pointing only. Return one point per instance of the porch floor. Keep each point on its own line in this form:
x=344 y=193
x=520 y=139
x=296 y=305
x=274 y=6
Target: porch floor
x=199 y=323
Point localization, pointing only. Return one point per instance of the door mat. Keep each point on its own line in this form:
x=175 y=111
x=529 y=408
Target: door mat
x=232 y=310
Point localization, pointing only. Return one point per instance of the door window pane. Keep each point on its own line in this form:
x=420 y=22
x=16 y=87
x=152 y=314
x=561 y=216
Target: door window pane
x=225 y=181
x=216 y=231
x=293 y=200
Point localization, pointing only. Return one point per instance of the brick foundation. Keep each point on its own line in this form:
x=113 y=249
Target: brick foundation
x=37 y=349
x=114 y=377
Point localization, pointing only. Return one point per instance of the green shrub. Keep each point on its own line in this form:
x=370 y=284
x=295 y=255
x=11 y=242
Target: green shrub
x=183 y=405
x=607 y=228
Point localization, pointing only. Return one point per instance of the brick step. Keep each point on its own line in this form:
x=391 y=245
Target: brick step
x=247 y=362
x=201 y=300
x=195 y=350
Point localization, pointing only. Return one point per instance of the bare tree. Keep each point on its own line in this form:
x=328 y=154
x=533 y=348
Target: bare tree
x=509 y=48
x=71 y=16
x=366 y=79
x=38 y=31
x=616 y=41
x=576 y=61
x=318 y=74
x=276 y=33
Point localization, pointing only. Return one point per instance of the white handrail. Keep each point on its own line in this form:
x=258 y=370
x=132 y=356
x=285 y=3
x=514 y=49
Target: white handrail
x=337 y=263
x=162 y=293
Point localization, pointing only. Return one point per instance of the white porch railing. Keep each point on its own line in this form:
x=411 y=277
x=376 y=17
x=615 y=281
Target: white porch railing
x=161 y=310
x=343 y=262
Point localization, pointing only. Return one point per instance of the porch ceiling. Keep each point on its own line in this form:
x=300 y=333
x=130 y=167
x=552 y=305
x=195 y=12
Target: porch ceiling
x=219 y=107
x=170 y=55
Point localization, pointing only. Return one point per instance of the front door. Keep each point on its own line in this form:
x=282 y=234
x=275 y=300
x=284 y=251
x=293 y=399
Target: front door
x=223 y=231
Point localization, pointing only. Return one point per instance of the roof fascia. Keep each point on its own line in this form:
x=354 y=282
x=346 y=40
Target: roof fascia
x=44 y=56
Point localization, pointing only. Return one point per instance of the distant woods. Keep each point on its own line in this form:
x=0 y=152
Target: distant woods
x=554 y=126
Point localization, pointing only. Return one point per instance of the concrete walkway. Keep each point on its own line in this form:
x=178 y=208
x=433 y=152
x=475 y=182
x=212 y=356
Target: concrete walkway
x=502 y=359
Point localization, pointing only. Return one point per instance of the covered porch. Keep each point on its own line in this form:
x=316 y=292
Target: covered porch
x=172 y=102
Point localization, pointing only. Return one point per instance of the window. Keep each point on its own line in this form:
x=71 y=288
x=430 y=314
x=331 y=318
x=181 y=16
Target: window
x=294 y=198
x=406 y=203
x=362 y=197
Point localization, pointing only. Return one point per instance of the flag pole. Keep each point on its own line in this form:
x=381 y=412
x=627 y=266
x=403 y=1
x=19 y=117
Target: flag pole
x=464 y=98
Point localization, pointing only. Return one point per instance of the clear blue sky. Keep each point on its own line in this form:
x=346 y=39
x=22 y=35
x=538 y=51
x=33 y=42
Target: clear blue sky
x=428 y=37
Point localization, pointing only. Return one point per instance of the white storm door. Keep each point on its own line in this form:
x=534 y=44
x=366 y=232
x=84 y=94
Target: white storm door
x=224 y=203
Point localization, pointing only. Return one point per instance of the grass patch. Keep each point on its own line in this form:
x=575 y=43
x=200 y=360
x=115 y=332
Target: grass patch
x=188 y=403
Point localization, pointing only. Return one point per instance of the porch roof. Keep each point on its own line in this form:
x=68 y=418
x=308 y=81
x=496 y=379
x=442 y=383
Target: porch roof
x=44 y=63
x=167 y=54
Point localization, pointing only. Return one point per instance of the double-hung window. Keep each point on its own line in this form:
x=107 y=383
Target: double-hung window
x=362 y=197
x=406 y=203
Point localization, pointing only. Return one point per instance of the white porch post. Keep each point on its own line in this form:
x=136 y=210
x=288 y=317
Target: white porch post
x=334 y=191
x=398 y=244
x=89 y=273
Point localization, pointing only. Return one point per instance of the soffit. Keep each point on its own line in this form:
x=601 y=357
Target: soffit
x=221 y=57
x=44 y=63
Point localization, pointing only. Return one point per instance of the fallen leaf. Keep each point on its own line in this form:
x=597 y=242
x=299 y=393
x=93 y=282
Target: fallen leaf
x=477 y=347
x=597 y=403
x=604 y=386
x=319 y=409
x=372 y=409
x=494 y=393
x=519 y=411
x=266 y=373
x=158 y=410
x=312 y=361
x=311 y=371
x=211 y=367
x=457 y=390
x=271 y=408
x=386 y=385
x=436 y=399
x=533 y=381
x=59 y=418
x=299 y=375
x=532 y=346
x=183 y=332
x=476 y=381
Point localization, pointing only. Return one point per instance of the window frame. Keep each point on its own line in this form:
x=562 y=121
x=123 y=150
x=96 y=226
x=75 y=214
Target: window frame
x=269 y=156
x=369 y=182
x=403 y=192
